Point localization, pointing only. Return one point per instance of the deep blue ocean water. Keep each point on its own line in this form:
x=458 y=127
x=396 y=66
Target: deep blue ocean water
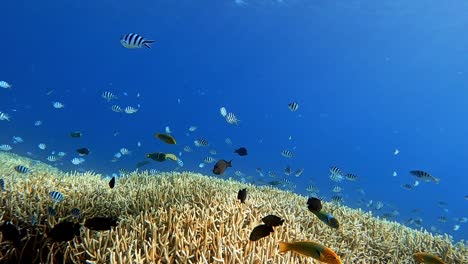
x=369 y=76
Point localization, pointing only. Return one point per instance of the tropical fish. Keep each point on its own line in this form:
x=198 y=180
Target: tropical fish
x=76 y=134
x=4 y=116
x=116 y=108
x=272 y=220
x=10 y=233
x=58 y=105
x=134 y=41
x=166 y=138
x=75 y=212
x=56 y=197
x=241 y=151
x=221 y=166
x=83 y=151
x=242 y=195
x=130 y=110
x=260 y=231
x=327 y=218
x=64 y=231
x=287 y=154
x=351 y=177
x=51 y=211
x=293 y=106
x=124 y=151
x=108 y=96
x=77 y=161
x=171 y=156
x=299 y=172
x=42 y=146
x=112 y=182
x=21 y=169
x=5 y=85
x=232 y=119
x=2 y=185
x=157 y=156
x=314 y=204
x=311 y=249
x=422 y=257
x=201 y=142
x=287 y=170
x=101 y=223
x=5 y=147
x=424 y=176
x=52 y=158
x=142 y=163
x=208 y=160
x=336 y=174
x=223 y=111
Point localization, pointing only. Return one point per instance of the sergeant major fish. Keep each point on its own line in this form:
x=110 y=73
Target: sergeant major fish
x=135 y=41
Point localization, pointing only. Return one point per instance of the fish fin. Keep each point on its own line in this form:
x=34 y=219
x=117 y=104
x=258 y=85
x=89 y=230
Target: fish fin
x=228 y=164
x=283 y=247
x=147 y=42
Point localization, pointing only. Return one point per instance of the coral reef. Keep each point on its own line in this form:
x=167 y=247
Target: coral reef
x=189 y=218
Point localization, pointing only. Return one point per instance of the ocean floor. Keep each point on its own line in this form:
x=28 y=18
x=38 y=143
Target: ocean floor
x=185 y=217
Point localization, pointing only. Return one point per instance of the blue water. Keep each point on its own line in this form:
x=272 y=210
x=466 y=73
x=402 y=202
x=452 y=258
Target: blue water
x=369 y=77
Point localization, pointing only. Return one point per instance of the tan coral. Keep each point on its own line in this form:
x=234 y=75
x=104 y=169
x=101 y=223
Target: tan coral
x=190 y=218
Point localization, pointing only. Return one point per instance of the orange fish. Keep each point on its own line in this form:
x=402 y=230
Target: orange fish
x=311 y=249
x=422 y=257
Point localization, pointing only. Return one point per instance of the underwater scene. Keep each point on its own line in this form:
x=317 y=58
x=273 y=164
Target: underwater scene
x=234 y=131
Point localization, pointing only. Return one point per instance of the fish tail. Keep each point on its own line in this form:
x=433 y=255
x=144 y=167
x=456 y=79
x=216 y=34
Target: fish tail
x=229 y=164
x=283 y=247
x=147 y=42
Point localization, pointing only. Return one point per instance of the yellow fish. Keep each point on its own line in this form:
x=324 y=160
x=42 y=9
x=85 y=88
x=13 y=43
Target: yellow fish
x=166 y=138
x=171 y=156
x=311 y=249
x=422 y=257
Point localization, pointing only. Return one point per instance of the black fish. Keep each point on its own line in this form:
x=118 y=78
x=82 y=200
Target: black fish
x=272 y=220
x=76 y=134
x=221 y=166
x=101 y=223
x=112 y=182
x=260 y=231
x=64 y=231
x=83 y=151
x=157 y=156
x=314 y=204
x=242 y=195
x=10 y=233
x=241 y=151
x=142 y=163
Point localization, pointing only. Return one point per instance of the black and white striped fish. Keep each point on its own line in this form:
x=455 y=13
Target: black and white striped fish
x=116 y=108
x=299 y=172
x=287 y=154
x=336 y=174
x=21 y=169
x=135 y=41
x=75 y=212
x=51 y=211
x=2 y=184
x=57 y=197
x=201 y=142
x=424 y=176
x=232 y=119
x=351 y=177
x=293 y=106
x=108 y=96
